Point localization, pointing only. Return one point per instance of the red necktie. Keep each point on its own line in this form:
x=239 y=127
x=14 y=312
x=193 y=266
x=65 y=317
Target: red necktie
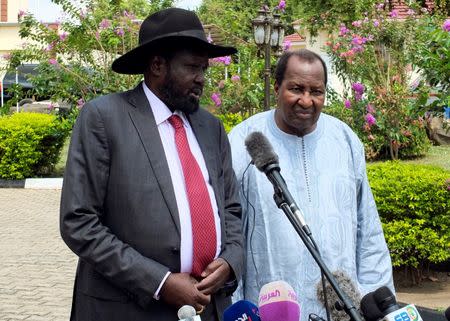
x=202 y=216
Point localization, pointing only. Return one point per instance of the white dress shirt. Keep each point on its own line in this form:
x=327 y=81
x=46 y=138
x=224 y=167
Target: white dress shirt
x=167 y=133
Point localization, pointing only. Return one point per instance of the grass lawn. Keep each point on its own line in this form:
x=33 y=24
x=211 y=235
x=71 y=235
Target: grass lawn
x=59 y=168
x=437 y=155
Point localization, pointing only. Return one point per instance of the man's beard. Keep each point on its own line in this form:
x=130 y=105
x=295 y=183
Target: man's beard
x=175 y=99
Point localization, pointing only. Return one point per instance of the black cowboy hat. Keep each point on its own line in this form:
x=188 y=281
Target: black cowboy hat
x=172 y=24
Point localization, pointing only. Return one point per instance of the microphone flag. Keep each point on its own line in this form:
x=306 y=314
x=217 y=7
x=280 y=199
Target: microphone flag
x=241 y=311
x=278 y=301
x=407 y=313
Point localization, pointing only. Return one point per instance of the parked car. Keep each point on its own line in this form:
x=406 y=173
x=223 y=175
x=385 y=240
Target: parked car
x=23 y=79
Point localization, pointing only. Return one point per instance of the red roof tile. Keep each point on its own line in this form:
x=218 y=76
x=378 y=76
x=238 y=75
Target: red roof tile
x=295 y=37
x=402 y=8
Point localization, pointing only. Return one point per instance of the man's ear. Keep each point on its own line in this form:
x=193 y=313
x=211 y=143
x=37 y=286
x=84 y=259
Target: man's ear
x=157 y=66
x=276 y=88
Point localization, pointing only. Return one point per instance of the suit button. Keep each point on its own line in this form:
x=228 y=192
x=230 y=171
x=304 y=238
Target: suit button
x=175 y=250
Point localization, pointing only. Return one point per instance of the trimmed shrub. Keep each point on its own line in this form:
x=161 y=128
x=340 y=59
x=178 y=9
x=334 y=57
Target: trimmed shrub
x=30 y=144
x=230 y=120
x=412 y=244
x=414 y=206
x=411 y=191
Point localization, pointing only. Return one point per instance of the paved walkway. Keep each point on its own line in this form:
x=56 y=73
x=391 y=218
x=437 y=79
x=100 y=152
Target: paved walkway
x=36 y=267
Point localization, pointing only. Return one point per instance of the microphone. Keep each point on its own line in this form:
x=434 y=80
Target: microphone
x=266 y=160
x=188 y=313
x=278 y=301
x=369 y=308
x=336 y=307
x=385 y=300
x=447 y=314
x=260 y=151
x=241 y=311
x=390 y=310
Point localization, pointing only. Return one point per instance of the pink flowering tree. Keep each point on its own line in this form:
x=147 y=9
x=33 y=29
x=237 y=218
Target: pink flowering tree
x=240 y=84
x=234 y=85
x=75 y=55
x=234 y=88
x=329 y=14
x=372 y=56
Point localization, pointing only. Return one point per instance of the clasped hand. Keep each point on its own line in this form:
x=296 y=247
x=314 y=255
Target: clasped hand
x=182 y=288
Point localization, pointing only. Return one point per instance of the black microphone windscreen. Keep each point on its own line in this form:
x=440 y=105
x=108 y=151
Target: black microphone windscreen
x=347 y=285
x=260 y=150
x=369 y=308
x=447 y=314
x=385 y=299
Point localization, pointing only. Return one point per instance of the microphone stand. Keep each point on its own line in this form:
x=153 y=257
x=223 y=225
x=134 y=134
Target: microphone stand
x=349 y=307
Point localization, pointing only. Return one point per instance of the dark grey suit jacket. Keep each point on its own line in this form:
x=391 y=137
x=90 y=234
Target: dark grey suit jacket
x=119 y=213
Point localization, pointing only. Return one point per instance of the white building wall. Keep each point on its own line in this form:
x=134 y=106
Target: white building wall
x=318 y=46
x=14 y=6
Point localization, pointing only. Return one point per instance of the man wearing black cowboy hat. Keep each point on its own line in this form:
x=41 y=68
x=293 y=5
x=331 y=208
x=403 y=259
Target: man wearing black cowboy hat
x=150 y=200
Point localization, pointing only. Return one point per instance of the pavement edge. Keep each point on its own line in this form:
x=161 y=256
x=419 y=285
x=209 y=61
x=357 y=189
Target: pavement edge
x=33 y=183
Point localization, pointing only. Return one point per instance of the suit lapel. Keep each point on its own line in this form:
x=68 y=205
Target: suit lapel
x=142 y=117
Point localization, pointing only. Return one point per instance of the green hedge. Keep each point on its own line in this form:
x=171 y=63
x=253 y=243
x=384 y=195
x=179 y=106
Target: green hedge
x=414 y=206
x=230 y=120
x=30 y=144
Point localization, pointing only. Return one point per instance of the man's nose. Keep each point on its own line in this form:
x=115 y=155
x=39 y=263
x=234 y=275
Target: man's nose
x=200 y=77
x=305 y=100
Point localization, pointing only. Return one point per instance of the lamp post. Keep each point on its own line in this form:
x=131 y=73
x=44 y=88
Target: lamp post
x=268 y=32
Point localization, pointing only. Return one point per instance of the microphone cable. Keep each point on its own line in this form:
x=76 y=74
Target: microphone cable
x=322 y=276
x=249 y=205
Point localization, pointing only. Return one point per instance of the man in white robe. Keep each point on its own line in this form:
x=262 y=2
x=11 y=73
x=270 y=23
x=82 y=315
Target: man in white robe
x=323 y=163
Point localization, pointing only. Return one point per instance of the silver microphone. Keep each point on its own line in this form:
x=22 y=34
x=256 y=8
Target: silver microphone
x=188 y=313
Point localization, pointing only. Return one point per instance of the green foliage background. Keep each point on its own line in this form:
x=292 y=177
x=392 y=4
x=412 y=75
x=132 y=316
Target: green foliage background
x=75 y=64
x=30 y=144
x=376 y=53
x=432 y=57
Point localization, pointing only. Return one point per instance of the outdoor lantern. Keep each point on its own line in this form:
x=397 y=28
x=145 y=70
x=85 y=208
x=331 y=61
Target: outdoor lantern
x=280 y=35
x=259 y=25
x=267 y=28
x=268 y=31
x=276 y=26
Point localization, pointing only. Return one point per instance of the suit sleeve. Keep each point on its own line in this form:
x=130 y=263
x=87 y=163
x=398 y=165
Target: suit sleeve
x=234 y=251
x=82 y=213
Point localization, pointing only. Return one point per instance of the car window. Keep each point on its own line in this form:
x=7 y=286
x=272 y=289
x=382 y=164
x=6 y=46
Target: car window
x=23 y=75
